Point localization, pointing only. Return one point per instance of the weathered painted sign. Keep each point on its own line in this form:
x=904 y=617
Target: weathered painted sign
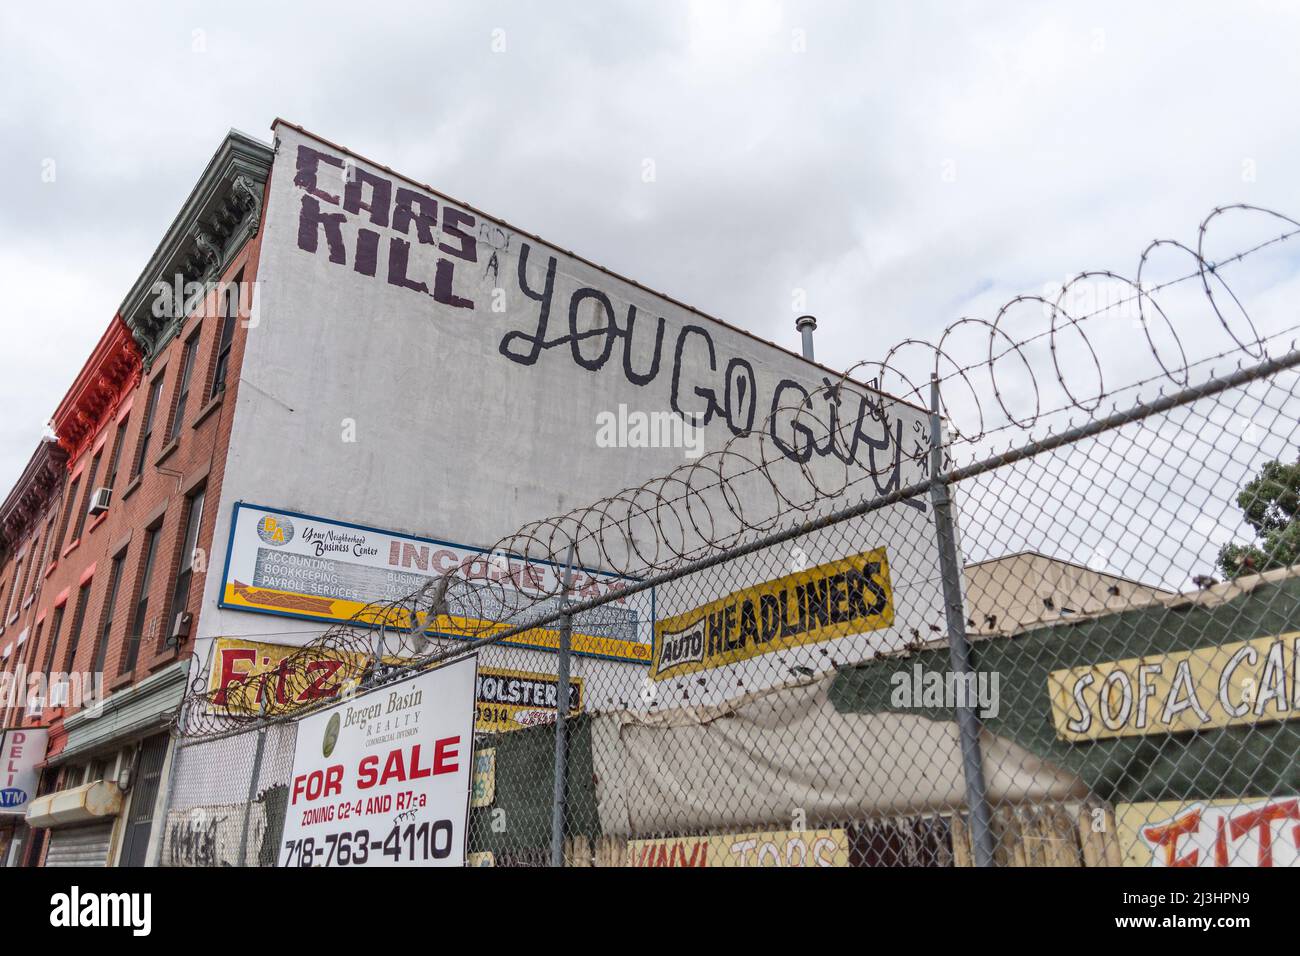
x=1240 y=832
x=249 y=677
x=286 y=563
x=836 y=600
x=812 y=848
x=1245 y=682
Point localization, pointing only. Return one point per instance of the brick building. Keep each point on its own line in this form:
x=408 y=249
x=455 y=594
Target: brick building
x=106 y=534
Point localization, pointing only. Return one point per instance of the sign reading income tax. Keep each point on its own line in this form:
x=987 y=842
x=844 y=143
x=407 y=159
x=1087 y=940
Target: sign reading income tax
x=836 y=600
x=384 y=779
x=283 y=562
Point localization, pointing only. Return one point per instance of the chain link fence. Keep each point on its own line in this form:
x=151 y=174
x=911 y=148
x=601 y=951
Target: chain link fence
x=1014 y=617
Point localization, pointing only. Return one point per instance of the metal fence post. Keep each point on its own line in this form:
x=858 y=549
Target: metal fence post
x=561 y=718
x=156 y=858
x=252 y=783
x=968 y=722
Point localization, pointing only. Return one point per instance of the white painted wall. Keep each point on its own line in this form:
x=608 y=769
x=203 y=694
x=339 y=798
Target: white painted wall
x=453 y=439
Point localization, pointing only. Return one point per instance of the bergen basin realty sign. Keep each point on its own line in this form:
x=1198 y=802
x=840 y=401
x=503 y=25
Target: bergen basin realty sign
x=383 y=779
x=299 y=565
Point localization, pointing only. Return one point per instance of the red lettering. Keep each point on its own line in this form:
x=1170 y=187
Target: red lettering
x=1263 y=820
x=318 y=784
x=444 y=751
x=229 y=658
x=420 y=556
x=393 y=767
x=333 y=780
x=1168 y=835
x=417 y=772
x=366 y=773
x=321 y=672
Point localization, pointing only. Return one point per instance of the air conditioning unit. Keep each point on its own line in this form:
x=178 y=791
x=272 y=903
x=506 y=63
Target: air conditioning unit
x=180 y=627
x=99 y=500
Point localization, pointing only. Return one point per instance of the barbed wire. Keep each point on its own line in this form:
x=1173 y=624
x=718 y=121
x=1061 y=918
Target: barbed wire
x=828 y=446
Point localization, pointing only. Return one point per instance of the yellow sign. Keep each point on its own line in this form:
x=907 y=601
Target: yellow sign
x=336 y=609
x=1246 y=831
x=846 y=596
x=249 y=677
x=794 y=848
x=310 y=567
x=483 y=782
x=511 y=700
x=1247 y=682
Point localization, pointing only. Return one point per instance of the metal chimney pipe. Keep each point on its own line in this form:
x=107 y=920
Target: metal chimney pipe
x=805 y=324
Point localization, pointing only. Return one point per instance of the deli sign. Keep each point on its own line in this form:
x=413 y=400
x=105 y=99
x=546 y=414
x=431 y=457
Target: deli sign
x=22 y=750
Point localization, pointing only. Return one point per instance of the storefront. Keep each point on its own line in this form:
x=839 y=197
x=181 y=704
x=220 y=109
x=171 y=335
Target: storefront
x=110 y=777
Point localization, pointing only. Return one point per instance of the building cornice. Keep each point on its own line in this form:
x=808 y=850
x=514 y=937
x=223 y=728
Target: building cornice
x=222 y=212
x=111 y=371
x=31 y=494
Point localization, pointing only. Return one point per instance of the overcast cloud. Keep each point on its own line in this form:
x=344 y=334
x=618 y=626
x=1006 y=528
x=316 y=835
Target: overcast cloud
x=905 y=164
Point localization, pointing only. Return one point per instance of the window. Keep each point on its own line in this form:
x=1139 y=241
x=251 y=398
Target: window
x=110 y=606
x=118 y=441
x=78 y=618
x=91 y=475
x=183 y=387
x=181 y=594
x=14 y=587
x=221 y=366
x=146 y=426
x=29 y=652
x=49 y=540
x=31 y=563
x=68 y=509
x=55 y=626
x=139 y=617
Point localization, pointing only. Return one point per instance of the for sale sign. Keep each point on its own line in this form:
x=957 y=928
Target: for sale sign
x=383 y=779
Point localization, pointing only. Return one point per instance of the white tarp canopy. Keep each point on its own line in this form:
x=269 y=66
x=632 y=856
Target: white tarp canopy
x=773 y=754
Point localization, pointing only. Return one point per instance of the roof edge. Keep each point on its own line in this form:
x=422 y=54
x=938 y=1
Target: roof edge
x=844 y=376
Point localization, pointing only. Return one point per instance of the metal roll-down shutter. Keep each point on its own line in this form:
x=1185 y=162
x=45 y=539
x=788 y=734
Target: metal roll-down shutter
x=80 y=846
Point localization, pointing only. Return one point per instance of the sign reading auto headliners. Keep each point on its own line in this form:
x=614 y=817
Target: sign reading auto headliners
x=298 y=565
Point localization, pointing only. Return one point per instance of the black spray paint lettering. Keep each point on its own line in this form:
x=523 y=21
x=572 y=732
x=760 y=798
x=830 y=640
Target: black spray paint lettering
x=194 y=843
x=734 y=398
x=372 y=198
x=736 y=404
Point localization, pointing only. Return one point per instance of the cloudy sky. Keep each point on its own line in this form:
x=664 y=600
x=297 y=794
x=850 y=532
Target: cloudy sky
x=904 y=164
